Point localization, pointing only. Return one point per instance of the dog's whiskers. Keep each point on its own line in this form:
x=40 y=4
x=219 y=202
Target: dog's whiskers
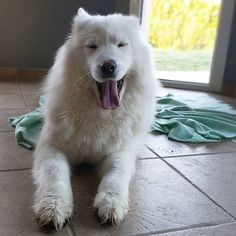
x=81 y=79
x=130 y=77
x=90 y=81
x=133 y=75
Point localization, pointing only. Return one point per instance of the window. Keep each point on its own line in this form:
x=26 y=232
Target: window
x=190 y=40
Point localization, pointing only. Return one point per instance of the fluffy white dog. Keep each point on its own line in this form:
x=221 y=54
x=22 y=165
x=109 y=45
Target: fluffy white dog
x=99 y=105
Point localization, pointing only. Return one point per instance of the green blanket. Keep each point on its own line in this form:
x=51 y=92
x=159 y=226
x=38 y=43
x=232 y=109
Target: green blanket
x=186 y=124
x=173 y=117
x=28 y=126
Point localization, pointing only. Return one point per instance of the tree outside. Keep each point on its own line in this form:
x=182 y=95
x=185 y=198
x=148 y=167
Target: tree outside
x=183 y=33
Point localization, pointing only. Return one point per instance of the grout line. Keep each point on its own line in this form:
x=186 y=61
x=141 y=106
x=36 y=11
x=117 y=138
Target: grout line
x=184 y=228
x=6 y=93
x=152 y=151
x=187 y=155
x=7 y=131
x=200 y=154
x=22 y=94
x=10 y=109
x=206 y=195
x=147 y=158
x=10 y=170
x=188 y=180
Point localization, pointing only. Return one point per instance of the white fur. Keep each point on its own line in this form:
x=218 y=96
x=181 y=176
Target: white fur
x=76 y=128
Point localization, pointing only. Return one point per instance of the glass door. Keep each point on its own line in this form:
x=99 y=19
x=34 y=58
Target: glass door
x=189 y=40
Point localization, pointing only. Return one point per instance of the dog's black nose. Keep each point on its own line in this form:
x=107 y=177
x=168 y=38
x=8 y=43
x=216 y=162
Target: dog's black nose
x=108 y=68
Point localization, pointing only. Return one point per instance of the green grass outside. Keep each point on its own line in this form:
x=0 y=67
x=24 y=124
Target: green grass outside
x=182 y=60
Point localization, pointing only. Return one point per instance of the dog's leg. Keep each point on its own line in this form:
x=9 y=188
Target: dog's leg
x=112 y=200
x=53 y=198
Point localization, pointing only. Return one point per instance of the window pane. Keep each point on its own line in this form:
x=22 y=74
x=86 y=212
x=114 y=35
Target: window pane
x=183 y=35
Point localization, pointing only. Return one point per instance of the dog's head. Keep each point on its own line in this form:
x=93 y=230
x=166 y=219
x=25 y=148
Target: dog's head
x=105 y=46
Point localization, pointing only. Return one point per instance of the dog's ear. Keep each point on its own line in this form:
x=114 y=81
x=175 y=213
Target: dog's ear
x=81 y=16
x=82 y=13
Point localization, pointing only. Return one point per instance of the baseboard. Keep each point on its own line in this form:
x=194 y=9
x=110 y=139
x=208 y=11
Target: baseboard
x=8 y=73
x=229 y=89
x=19 y=73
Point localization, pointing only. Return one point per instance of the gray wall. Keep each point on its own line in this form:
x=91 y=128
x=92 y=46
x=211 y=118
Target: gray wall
x=230 y=69
x=32 y=30
x=122 y=6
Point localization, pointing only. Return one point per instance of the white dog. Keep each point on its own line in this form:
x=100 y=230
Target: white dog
x=99 y=105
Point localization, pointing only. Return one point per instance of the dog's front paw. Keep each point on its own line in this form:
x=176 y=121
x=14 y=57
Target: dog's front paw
x=110 y=208
x=52 y=211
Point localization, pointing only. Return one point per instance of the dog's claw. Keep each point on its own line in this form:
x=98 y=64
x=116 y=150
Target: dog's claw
x=52 y=213
x=112 y=219
x=49 y=226
x=109 y=210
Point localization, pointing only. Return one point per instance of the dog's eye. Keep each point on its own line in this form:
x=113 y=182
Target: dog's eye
x=91 y=46
x=122 y=45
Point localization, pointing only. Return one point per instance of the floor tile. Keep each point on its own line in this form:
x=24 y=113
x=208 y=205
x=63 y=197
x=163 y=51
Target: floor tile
x=13 y=156
x=214 y=174
x=32 y=108
x=30 y=86
x=9 y=86
x=160 y=200
x=145 y=153
x=5 y=113
x=31 y=99
x=194 y=93
x=219 y=230
x=165 y=147
x=11 y=101
x=16 y=203
x=16 y=198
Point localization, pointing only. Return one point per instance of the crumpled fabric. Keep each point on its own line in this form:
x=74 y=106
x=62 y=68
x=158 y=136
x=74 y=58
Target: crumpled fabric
x=29 y=126
x=186 y=124
x=173 y=117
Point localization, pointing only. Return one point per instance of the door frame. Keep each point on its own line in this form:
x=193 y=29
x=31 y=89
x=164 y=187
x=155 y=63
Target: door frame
x=141 y=8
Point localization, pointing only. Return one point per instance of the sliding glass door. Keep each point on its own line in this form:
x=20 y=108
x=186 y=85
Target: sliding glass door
x=189 y=39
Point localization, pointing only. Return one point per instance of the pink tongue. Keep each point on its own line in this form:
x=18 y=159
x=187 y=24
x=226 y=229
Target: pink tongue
x=109 y=95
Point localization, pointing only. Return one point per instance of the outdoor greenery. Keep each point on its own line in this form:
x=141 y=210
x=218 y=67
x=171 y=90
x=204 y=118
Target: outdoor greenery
x=182 y=60
x=183 y=24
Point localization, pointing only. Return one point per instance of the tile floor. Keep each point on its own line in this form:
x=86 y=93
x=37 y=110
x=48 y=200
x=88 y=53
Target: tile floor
x=179 y=189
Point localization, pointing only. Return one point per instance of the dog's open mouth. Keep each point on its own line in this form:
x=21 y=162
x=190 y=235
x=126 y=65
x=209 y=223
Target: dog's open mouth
x=110 y=93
